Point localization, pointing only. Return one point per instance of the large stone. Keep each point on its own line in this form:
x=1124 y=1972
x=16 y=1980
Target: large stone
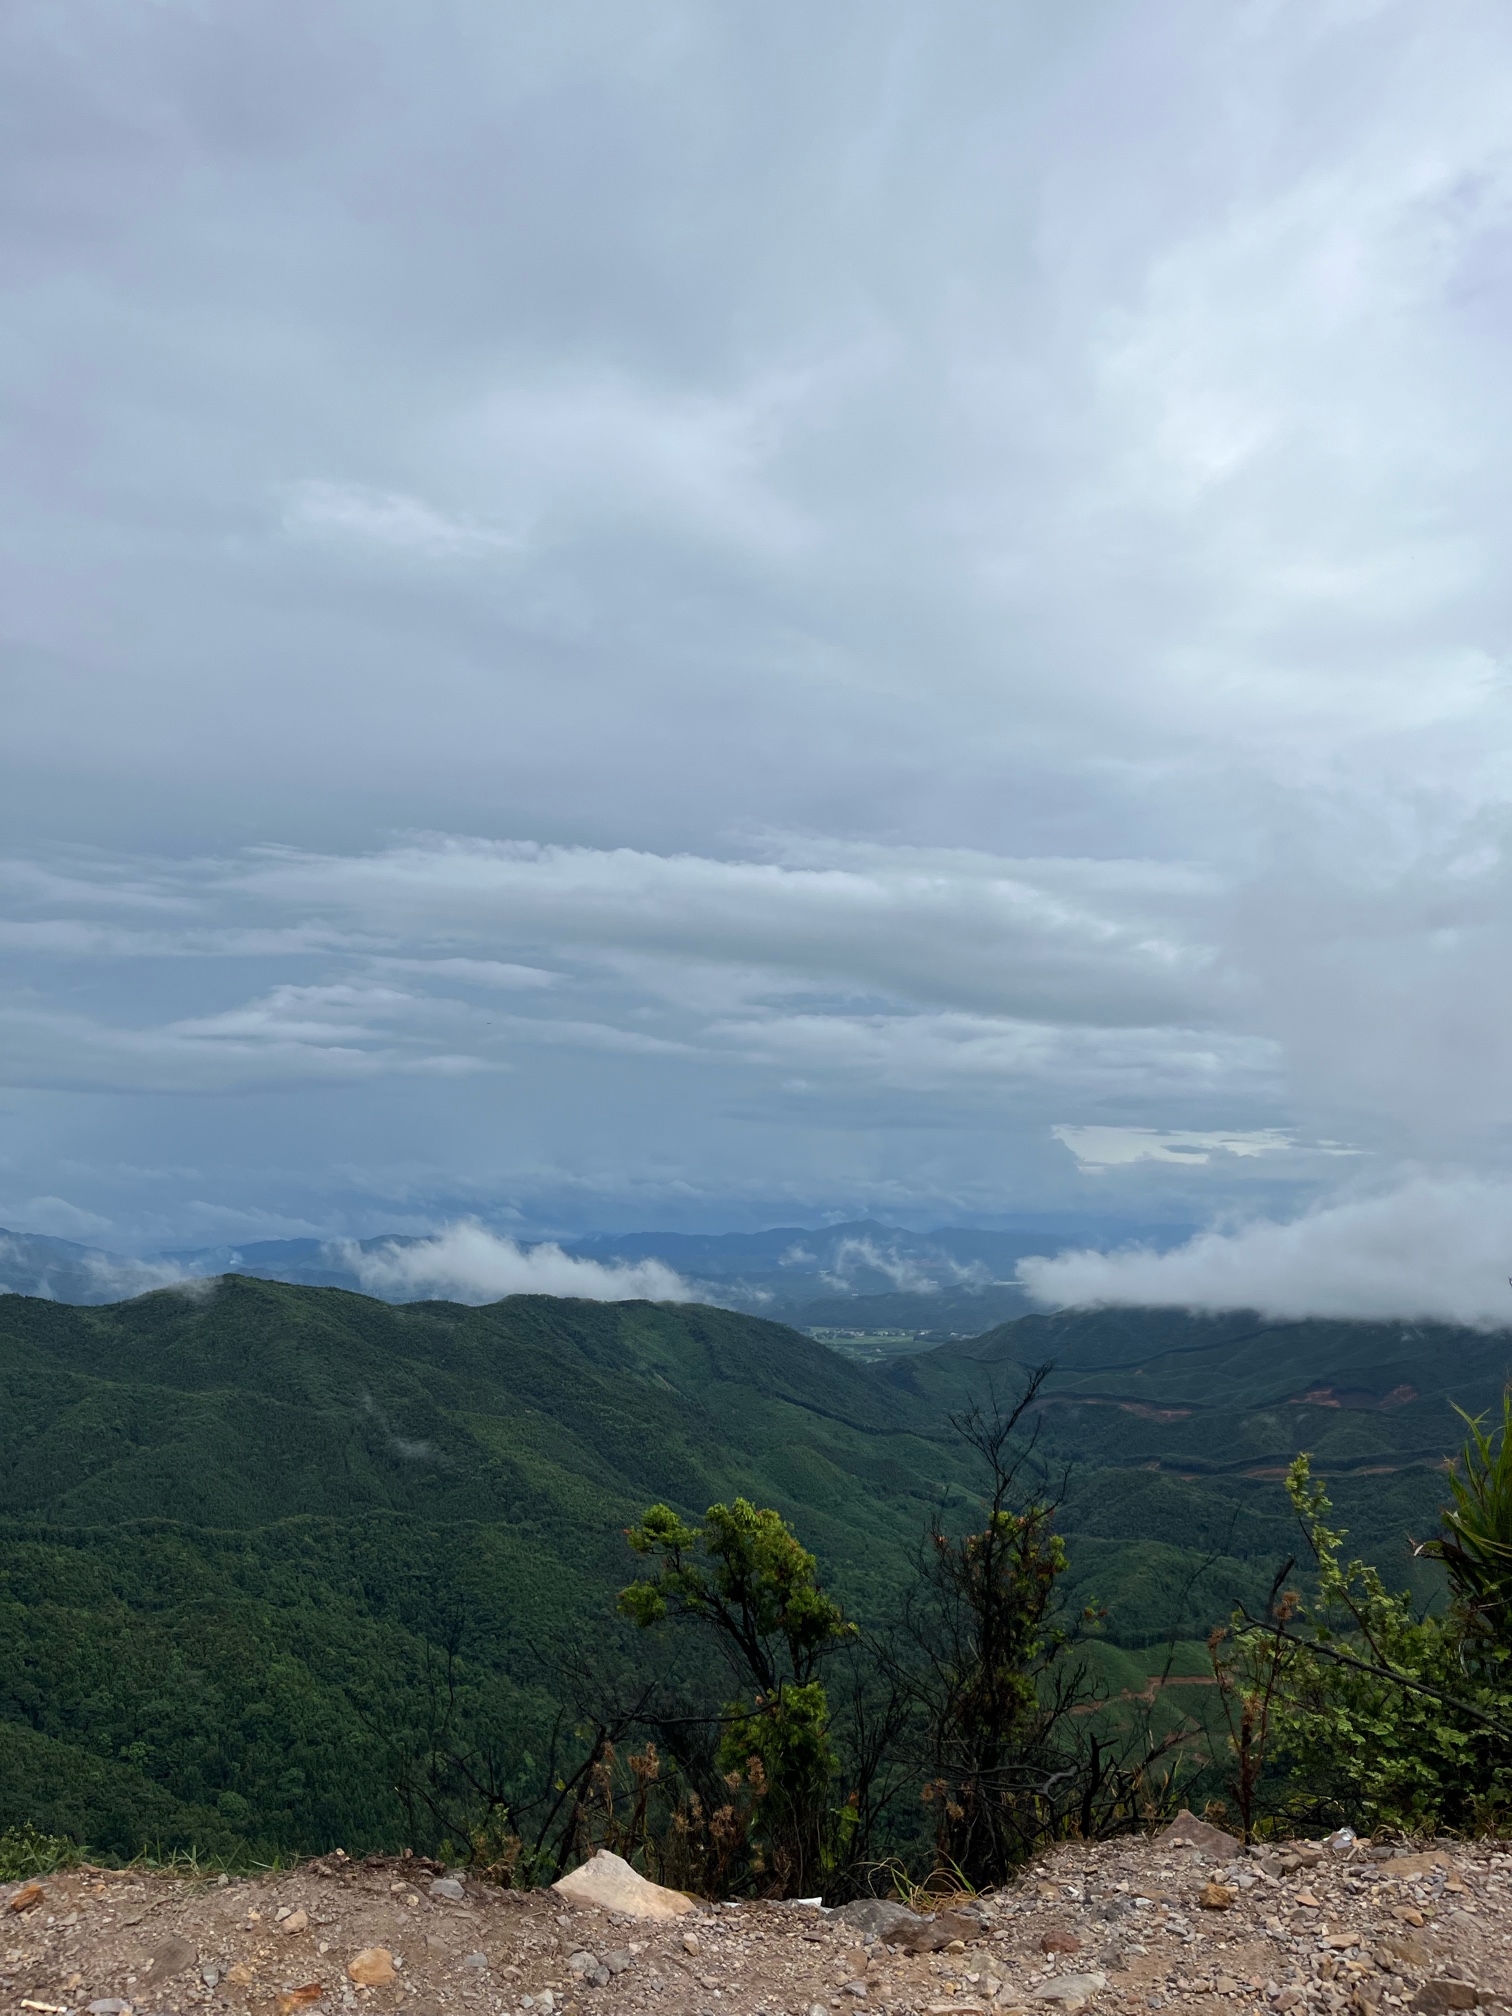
x=449 y=1888
x=1435 y=1998
x=373 y=1967
x=608 y=1881
x=888 y=1920
x=1187 y=1831
x=171 y=1958
x=935 y=1934
x=1071 y=1991
x=1403 y=1956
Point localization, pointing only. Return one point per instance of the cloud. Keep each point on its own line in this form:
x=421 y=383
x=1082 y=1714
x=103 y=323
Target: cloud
x=36 y=1267
x=969 y=1055
x=666 y=947
x=338 y=1034
x=605 y=444
x=990 y=616
x=1117 y=1147
x=1433 y=1249
x=502 y=974
x=405 y=1448
x=908 y=1274
x=121 y=1277
x=57 y=1218
x=467 y=1263
x=964 y=927
x=389 y=520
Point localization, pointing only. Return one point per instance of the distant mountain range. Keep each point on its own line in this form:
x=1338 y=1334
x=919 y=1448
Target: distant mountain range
x=863 y=1277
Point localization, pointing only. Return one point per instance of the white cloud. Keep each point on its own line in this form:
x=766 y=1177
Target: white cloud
x=1431 y=1250
x=908 y=1274
x=968 y=927
x=973 y=1054
x=57 y=1218
x=121 y=1277
x=505 y=975
x=467 y=1263
x=342 y=1033
x=1117 y=1147
x=112 y=1277
x=389 y=520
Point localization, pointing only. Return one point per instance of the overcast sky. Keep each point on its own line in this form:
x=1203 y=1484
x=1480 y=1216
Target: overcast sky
x=655 y=614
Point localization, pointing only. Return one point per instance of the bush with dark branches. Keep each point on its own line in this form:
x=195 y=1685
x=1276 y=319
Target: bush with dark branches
x=1016 y=1749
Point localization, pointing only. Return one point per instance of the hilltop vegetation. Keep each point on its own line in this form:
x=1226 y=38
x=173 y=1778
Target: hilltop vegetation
x=249 y=1542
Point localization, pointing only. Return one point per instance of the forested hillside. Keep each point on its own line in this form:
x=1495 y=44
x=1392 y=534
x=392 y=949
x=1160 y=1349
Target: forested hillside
x=239 y=1530
x=1180 y=1428
x=249 y=1540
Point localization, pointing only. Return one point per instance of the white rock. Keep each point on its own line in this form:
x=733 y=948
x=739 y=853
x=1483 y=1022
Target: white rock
x=609 y=1881
x=1073 y=1990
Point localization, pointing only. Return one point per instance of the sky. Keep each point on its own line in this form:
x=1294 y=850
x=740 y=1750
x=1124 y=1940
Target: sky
x=644 y=615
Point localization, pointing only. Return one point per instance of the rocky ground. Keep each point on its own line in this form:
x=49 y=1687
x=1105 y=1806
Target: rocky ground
x=1186 y=1921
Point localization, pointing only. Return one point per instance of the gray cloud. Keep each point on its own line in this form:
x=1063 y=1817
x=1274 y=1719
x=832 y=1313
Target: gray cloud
x=683 y=617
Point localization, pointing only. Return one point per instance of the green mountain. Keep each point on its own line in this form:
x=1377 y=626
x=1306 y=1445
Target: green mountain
x=1181 y=1426
x=254 y=1541
x=235 y=1529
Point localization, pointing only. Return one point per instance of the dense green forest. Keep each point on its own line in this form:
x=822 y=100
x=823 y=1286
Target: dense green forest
x=253 y=1542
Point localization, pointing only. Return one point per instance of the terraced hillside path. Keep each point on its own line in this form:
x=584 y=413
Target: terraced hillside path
x=1185 y=1921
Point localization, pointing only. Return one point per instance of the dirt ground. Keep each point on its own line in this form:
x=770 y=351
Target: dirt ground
x=1120 y=1927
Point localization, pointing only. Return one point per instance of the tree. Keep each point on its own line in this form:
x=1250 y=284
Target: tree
x=745 y=1577
x=1019 y=1747
x=987 y=1640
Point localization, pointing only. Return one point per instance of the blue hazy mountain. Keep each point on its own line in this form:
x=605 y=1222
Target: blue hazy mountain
x=956 y=1281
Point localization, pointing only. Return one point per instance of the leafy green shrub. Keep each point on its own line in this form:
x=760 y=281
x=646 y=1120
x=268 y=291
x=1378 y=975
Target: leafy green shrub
x=1375 y=1715
x=1476 y=1548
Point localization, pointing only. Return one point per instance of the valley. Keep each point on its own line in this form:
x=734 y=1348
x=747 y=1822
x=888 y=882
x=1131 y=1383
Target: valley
x=245 y=1530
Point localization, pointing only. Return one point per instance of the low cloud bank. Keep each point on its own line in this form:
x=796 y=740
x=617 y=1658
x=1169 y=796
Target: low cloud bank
x=1436 y=1250
x=118 y=1278
x=45 y=1268
x=908 y=1275
x=467 y=1263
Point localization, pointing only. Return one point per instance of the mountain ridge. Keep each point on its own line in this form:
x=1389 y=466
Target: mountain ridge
x=241 y=1527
